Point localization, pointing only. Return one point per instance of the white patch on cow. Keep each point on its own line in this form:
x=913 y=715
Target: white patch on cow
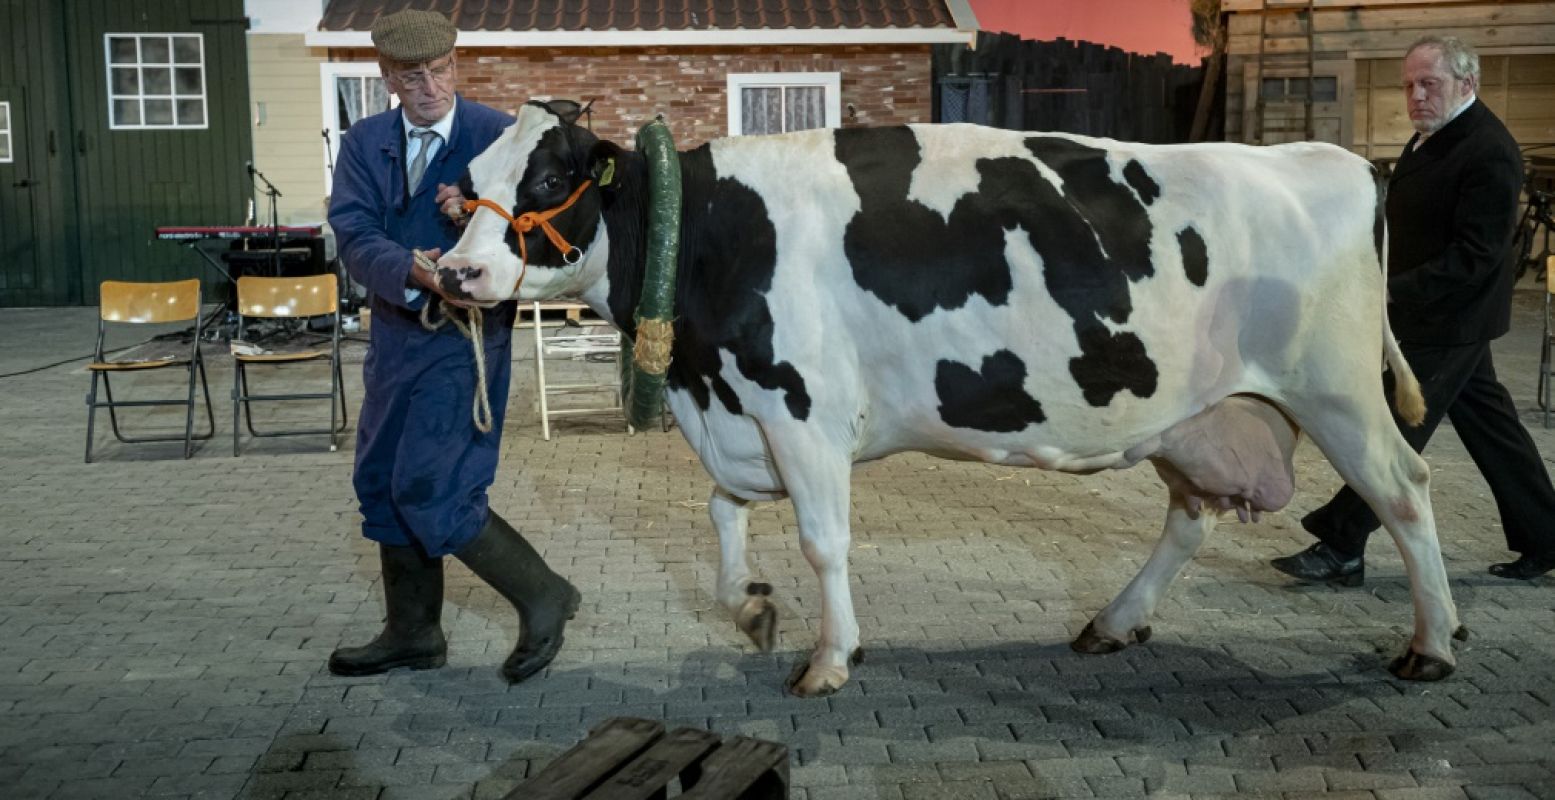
x=948 y=169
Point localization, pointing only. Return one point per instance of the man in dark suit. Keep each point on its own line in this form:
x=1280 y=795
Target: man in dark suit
x=1451 y=211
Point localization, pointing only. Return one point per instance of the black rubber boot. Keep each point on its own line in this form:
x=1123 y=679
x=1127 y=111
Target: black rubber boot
x=545 y=600
x=412 y=633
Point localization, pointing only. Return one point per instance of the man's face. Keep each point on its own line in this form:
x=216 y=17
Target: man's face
x=426 y=91
x=1431 y=90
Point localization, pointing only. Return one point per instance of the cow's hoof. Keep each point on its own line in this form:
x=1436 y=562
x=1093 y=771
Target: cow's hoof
x=1462 y=633
x=1416 y=666
x=1092 y=643
x=757 y=617
x=808 y=680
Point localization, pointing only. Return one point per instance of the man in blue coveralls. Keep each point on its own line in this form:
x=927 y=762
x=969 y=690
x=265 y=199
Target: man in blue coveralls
x=422 y=467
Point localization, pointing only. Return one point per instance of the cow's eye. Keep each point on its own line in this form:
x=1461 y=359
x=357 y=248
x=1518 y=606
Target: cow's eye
x=551 y=183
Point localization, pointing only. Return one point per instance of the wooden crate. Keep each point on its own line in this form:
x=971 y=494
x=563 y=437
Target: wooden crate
x=634 y=759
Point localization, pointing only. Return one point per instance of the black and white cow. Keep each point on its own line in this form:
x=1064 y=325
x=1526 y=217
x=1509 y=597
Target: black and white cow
x=1024 y=299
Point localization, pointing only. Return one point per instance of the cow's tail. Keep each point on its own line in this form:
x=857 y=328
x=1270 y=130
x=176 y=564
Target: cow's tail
x=1407 y=397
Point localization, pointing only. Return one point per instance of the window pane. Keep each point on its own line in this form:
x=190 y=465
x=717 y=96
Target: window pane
x=159 y=112
x=186 y=49
x=952 y=102
x=154 y=50
x=761 y=110
x=159 y=80
x=126 y=80
x=1273 y=89
x=348 y=101
x=5 y=116
x=805 y=109
x=1325 y=89
x=187 y=80
x=191 y=112
x=377 y=95
x=121 y=49
x=5 y=147
x=126 y=112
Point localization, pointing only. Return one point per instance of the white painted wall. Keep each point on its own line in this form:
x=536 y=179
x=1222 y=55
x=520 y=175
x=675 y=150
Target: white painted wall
x=283 y=16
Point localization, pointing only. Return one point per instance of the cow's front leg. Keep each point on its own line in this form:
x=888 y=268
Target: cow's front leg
x=749 y=601
x=816 y=473
x=1128 y=615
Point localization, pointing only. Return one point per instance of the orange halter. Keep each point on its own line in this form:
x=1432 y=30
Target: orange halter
x=526 y=222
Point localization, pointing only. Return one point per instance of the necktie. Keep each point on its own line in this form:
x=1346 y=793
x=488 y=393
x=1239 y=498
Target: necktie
x=418 y=166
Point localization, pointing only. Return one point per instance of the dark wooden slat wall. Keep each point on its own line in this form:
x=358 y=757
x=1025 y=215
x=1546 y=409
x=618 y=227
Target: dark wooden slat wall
x=103 y=192
x=1079 y=87
x=134 y=180
x=39 y=264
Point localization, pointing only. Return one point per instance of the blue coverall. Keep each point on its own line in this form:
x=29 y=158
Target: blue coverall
x=422 y=468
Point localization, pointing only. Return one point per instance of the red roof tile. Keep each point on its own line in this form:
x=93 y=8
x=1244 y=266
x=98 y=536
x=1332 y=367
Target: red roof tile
x=640 y=15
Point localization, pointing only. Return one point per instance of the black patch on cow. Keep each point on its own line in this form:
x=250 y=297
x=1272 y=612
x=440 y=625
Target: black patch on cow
x=1379 y=225
x=1195 y=255
x=727 y=259
x=994 y=399
x=554 y=170
x=1093 y=238
x=1112 y=362
x=1145 y=186
x=907 y=254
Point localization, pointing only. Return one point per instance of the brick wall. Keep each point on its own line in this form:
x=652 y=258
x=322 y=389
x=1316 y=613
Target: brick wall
x=881 y=85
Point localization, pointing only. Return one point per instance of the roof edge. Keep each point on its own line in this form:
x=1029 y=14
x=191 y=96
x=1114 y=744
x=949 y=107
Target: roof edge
x=964 y=16
x=661 y=38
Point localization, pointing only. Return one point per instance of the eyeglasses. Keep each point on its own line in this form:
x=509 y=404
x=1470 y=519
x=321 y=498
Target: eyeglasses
x=416 y=80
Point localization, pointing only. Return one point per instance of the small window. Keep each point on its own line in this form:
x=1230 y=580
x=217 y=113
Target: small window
x=1325 y=89
x=779 y=102
x=352 y=90
x=5 y=133
x=156 y=80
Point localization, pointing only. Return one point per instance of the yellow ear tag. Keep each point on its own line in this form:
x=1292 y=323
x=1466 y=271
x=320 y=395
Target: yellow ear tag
x=609 y=174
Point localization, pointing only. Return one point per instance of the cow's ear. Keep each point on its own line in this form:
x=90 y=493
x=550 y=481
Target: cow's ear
x=603 y=160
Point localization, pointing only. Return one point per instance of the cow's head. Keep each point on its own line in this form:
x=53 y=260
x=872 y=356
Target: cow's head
x=535 y=177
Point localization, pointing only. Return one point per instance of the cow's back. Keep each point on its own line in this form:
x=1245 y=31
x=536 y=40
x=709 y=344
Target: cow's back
x=1033 y=298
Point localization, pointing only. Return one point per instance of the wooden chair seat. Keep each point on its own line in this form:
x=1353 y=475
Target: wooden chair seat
x=123 y=366
x=275 y=358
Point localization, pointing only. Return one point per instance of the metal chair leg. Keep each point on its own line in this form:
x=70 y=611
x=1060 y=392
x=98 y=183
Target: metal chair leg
x=91 y=415
x=237 y=402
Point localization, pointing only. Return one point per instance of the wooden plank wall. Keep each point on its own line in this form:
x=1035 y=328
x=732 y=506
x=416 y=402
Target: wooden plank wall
x=1367 y=37
x=1079 y=87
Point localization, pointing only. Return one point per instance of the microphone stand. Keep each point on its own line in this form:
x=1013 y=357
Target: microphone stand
x=275 y=218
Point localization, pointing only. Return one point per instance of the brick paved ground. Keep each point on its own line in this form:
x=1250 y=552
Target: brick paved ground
x=164 y=626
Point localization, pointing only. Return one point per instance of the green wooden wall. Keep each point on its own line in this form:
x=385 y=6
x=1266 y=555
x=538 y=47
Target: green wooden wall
x=107 y=189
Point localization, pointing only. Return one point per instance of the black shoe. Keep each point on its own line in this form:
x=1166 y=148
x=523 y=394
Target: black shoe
x=412 y=632
x=1525 y=568
x=544 y=600
x=1321 y=563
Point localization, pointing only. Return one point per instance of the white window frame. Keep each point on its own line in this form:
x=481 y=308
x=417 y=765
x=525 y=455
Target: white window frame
x=5 y=134
x=174 y=96
x=328 y=72
x=831 y=82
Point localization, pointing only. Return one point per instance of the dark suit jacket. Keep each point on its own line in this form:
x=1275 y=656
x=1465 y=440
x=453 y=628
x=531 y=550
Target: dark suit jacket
x=1452 y=207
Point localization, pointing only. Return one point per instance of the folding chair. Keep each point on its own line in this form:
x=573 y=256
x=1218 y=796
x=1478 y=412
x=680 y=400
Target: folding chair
x=287 y=298
x=141 y=303
x=578 y=345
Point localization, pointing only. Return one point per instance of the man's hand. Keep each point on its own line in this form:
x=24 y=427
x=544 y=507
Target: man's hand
x=450 y=201
x=427 y=279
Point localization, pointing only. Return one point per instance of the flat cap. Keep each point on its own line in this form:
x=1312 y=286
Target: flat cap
x=413 y=36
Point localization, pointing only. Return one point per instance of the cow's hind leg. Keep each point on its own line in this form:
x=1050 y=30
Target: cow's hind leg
x=1128 y=615
x=749 y=601
x=1367 y=450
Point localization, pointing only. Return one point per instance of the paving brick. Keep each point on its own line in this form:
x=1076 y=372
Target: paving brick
x=166 y=628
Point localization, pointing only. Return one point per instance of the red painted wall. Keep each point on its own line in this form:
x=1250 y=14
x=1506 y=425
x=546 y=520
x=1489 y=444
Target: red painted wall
x=1139 y=26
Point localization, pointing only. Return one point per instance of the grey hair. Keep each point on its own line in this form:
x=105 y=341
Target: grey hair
x=1459 y=56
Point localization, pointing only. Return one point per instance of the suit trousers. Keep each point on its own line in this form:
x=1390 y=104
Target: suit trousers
x=1459 y=383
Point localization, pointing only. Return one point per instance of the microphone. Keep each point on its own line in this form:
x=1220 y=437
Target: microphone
x=250 y=166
